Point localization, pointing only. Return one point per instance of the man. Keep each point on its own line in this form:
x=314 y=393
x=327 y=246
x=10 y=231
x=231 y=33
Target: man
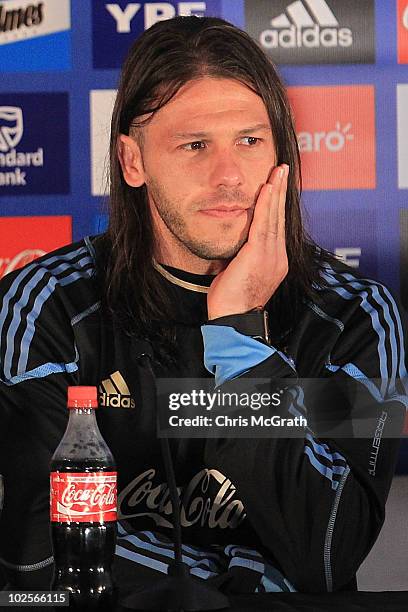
x=205 y=234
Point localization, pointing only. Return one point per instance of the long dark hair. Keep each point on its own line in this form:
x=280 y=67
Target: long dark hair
x=163 y=59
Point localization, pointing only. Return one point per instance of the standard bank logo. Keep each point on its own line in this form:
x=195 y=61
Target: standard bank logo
x=313 y=31
x=117 y=24
x=11 y=132
x=11 y=127
x=34 y=35
x=34 y=153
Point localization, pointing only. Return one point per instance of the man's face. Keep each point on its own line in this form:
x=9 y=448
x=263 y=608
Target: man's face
x=205 y=156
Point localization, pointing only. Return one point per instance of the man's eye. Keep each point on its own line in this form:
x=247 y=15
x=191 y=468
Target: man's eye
x=251 y=140
x=194 y=146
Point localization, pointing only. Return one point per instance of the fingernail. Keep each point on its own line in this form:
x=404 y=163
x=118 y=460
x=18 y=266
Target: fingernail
x=281 y=173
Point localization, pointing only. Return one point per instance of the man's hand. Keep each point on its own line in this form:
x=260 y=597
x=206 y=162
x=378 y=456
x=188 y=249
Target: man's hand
x=254 y=274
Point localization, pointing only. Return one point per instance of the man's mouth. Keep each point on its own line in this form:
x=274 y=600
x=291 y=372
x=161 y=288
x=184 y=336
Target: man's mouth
x=224 y=211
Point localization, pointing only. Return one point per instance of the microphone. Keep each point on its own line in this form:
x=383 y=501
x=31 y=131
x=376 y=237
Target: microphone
x=179 y=591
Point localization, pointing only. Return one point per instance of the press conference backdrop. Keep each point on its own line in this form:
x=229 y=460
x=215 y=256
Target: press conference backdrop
x=346 y=65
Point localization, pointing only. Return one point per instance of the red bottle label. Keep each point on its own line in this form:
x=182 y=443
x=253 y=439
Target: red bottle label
x=83 y=496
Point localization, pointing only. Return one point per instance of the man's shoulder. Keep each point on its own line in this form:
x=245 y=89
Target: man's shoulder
x=347 y=293
x=61 y=268
x=39 y=306
x=343 y=280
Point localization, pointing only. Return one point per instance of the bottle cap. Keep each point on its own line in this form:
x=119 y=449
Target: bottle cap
x=82 y=397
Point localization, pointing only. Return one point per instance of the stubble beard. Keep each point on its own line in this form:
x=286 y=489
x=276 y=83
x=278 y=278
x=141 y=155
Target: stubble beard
x=175 y=223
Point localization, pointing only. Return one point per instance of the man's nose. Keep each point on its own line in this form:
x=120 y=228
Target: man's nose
x=226 y=169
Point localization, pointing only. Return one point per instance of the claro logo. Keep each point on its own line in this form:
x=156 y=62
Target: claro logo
x=310 y=23
x=335 y=127
x=332 y=140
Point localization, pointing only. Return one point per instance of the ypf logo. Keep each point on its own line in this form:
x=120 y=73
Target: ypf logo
x=402 y=29
x=153 y=12
x=11 y=127
x=117 y=24
x=337 y=143
x=313 y=31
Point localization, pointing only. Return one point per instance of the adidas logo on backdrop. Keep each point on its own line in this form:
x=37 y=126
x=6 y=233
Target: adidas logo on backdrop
x=307 y=23
x=114 y=392
x=313 y=31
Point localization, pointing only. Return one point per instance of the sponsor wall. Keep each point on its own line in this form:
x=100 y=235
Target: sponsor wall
x=346 y=65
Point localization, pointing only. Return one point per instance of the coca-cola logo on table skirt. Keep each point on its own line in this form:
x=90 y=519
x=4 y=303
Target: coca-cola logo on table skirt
x=209 y=499
x=81 y=497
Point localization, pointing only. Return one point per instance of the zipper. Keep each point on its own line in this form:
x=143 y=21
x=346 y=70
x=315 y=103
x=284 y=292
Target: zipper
x=325 y=316
x=32 y=567
x=329 y=532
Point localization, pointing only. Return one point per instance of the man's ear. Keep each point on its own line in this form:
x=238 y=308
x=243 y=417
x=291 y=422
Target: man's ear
x=130 y=157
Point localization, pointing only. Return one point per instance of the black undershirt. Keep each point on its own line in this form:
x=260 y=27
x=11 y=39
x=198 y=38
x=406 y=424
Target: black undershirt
x=188 y=454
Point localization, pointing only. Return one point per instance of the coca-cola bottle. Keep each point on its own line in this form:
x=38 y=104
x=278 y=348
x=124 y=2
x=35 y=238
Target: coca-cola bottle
x=83 y=508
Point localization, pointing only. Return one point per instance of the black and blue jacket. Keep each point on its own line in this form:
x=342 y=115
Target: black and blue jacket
x=267 y=514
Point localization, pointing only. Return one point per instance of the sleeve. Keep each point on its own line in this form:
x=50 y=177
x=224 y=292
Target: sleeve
x=318 y=504
x=38 y=360
x=228 y=353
